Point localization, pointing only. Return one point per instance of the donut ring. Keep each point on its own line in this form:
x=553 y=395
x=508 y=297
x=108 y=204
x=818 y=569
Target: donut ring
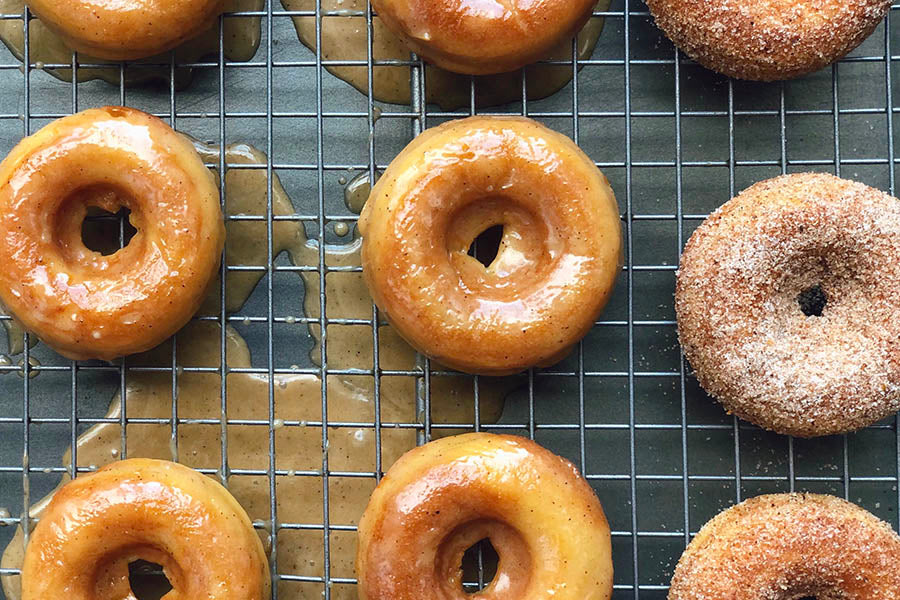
x=126 y=30
x=84 y=304
x=558 y=259
x=743 y=276
x=767 y=40
x=542 y=517
x=479 y=38
x=785 y=546
x=146 y=509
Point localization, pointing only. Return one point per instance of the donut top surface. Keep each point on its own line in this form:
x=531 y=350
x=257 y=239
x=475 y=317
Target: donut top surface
x=767 y=39
x=126 y=29
x=740 y=318
x=791 y=546
x=484 y=36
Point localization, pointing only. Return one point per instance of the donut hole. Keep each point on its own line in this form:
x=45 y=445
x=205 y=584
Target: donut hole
x=486 y=245
x=106 y=232
x=812 y=302
x=147 y=580
x=479 y=566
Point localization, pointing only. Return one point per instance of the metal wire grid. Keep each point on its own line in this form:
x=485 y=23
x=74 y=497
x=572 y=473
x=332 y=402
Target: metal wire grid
x=642 y=568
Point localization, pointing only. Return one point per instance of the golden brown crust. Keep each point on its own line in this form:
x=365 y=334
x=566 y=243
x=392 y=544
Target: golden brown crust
x=542 y=517
x=116 y=30
x=786 y=546
x=80 y=302
x=480 y=38
x=767 y=40
x=146 y=509
x=556 y=266
x=742 y=327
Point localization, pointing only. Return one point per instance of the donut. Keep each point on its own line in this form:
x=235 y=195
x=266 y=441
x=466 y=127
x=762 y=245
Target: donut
x=787 y=300
x=541 y=516
x=80 y=302
x=481 y=38
x=767 y=40
x=559 y=256
x=126 y=30
x=785 y=546
x=144 y=509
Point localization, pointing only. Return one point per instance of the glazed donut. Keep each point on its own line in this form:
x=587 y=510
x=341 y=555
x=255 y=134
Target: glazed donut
x=786 y=546
x=84 y=304
x=482 y=38
x=541 y=516
x=126 y=30
x=145 y=509
x=558 y=259
x=787 y=300
x=767 y=40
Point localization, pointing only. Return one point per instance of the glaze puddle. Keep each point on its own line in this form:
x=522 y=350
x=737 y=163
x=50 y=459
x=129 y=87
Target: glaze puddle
x=296 y=423
x=345 y=37
x=241 y=39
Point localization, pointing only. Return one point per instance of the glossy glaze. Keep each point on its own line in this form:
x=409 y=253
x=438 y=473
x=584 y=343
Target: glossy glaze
x=126 y=29
x=480 y=37
x=541 y=516
x=84 y=304
x=147 y=509
x=556 y=266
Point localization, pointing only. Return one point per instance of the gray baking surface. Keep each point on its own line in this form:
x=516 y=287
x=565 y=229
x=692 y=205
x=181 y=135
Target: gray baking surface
x=662 y=456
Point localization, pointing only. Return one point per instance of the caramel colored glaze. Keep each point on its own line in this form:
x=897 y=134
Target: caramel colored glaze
x=767 y=40
x=241 y=37
x=541 y=516
x=145 y=509
x=80 y=302
x=117 y=30
x=482 y=37
x=558 y=259
x=741 y=324
x=298 y=398
x=346 y=38
x=791 y=546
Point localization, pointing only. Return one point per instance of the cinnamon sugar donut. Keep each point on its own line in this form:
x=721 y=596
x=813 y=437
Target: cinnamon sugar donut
x=787 y=546
x=541 y=516
x=129 y=29
x=480 y=38
x=767 y=40
x=80 y=302
x=788 y=299
x=145 y=509
x=556 y=265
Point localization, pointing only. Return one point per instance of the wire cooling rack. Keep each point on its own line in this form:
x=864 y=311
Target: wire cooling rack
x=675 y=140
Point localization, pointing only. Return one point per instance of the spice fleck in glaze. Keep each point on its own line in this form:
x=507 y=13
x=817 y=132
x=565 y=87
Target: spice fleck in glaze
x=150 y=510
x=791 y=546
x=767 y=40
x=480 y=37
x=541 y=516
x=558 y=259
x=80 y=302
x=126 y=30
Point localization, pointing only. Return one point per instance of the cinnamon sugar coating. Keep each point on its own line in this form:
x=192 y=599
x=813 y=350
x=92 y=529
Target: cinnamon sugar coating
x=742 y=327
x=767 y=40
x=787 y=546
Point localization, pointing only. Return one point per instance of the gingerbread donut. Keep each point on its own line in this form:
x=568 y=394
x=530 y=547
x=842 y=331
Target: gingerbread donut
x=126 y=30
x=481 y=38
x=787 y=301
x=786 y=546
x=80 y=302
x=558 y=259
x=146 y=509
x=541 y=516
x=767 y=40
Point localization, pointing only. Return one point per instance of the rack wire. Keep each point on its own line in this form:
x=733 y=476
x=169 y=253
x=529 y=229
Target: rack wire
x=675 y=140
